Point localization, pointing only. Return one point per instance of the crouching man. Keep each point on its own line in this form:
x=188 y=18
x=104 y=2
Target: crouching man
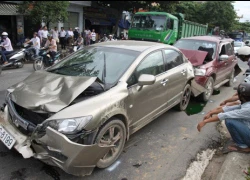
x=237 y=119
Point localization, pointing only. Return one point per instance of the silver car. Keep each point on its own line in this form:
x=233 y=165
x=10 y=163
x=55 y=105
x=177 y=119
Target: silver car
x=79 y=113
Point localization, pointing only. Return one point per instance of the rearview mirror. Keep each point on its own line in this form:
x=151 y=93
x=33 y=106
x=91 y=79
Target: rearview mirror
x=223 y=58
x=146 y=79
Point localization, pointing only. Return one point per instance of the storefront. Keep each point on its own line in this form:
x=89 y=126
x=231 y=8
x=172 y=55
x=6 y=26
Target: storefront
x=11 y=21
x=75 y=18
x=101 y=19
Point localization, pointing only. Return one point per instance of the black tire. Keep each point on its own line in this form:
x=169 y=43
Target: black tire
x=205 y=96
x=38 y=64
x=185 y=98
x=118 y=126
x=231 y=80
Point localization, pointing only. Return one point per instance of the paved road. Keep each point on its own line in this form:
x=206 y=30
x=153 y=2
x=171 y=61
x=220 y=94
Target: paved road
x=165 y=147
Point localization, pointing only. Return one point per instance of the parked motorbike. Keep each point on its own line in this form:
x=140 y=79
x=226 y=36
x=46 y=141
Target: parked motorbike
x=75 y=46
x=44 y=60
x=104 y=39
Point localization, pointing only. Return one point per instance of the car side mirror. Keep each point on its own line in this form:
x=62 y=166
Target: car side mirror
x=146 y=79
x=223 y=58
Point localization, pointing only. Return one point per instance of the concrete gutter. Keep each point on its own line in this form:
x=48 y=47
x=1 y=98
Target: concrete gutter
x=233 y=167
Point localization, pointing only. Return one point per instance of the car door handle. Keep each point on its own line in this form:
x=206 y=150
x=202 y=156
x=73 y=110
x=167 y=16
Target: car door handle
x=183 y=71
x=164 y=81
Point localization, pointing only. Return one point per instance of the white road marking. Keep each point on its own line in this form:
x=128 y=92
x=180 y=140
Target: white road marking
x=115 y=165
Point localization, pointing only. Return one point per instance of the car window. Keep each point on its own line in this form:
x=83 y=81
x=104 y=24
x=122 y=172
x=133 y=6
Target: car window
x=229 y=49
x=223 y=50
x=153 y=64
x=172 y=58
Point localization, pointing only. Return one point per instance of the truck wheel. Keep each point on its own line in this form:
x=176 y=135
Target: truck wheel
x=231 y=80
x=185 y=98
x=205 y=96
x=112 y=133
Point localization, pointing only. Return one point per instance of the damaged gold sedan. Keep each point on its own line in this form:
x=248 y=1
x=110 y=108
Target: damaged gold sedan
x=79 y=113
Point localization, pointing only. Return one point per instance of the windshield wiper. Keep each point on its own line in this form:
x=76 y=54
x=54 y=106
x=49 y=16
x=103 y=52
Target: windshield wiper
x=104 y=69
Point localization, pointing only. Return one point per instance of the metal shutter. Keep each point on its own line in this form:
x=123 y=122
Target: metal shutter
x=72 y=21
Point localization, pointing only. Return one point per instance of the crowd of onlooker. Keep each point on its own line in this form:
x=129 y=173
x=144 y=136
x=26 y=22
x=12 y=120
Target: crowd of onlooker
x=67 y=37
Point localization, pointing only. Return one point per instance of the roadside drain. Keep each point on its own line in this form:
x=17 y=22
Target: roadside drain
x=195 y=107
x=197 y=167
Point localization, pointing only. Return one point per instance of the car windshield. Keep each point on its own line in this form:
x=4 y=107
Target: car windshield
x=108 y=64
x=197 y=45
x=237 y=44
x=151 y=22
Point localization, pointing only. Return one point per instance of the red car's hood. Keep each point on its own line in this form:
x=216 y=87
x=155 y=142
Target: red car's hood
x=196 y=57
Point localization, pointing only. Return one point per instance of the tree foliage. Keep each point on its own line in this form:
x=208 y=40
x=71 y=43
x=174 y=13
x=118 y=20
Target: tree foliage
x=48 y=11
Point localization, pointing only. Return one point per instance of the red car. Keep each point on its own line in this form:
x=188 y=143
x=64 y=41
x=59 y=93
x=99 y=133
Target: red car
x=213 y=59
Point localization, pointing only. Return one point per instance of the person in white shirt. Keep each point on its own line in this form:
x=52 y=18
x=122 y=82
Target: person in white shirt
x=44 y=35
x=110 y=38
x=7 y=46
x=39 y=34
x=71 y=35
x=93 y=37
x=55 y=34
x=62 y=37
x=36 y=44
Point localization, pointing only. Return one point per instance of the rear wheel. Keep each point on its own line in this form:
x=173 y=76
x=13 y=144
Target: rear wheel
x=205 y=96
x=231 y=80
x=38 y=64
x=112 y=133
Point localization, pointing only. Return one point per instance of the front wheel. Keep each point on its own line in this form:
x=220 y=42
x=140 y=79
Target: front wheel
x=112 y=133
x=185 y=98
x=209 y=90
x=38 y=64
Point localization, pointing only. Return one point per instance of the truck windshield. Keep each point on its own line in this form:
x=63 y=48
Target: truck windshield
x=191 y=44
x=151 y=22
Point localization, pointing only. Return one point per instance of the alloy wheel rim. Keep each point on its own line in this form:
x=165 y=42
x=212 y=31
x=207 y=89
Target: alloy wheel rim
x=186 y=96
x=209 y=89
x=112 y=137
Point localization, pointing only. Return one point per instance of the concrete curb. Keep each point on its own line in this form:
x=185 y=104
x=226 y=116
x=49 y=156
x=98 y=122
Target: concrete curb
x=233 y=167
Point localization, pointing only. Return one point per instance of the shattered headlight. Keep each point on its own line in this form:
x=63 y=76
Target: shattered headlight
x=199 y=72
x=70 y=125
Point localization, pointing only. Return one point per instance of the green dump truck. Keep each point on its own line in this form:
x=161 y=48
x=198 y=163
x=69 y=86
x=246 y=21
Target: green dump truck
x=163 y=27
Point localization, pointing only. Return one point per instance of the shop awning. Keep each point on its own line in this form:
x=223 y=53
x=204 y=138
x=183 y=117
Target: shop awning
x=8 y=9
x=100 y=22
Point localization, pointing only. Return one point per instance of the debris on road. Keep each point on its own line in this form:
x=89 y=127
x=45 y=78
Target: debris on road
x=137 y=164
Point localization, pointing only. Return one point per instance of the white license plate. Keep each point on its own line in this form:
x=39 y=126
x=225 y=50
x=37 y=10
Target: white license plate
x=6 y=138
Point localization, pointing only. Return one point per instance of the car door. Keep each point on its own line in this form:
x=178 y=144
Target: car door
x=231 y=60
x=147 y=101
x=176 y=72
x=221 y=66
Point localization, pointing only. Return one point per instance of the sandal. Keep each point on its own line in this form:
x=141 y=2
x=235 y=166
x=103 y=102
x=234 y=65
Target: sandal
x=235 y=148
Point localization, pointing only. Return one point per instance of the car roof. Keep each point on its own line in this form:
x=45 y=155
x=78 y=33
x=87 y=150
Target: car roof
x=217 y=39
x=132 y=45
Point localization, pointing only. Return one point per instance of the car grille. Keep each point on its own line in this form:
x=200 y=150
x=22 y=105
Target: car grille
x=33 y=117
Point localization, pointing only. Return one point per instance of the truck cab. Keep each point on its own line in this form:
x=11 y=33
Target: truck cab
x=154 y=26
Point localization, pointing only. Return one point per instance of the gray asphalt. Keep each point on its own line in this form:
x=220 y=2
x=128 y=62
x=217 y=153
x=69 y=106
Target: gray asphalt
x=164 y=148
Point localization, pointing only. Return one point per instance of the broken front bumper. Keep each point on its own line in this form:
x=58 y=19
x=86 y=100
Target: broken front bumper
x=56 y=149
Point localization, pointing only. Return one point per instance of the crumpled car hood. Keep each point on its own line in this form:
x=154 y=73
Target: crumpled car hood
x=44 y=91
x=196 y=57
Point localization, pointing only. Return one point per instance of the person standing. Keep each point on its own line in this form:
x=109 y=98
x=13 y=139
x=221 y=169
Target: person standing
x=35 y=44
x=7 y=46
x=55 y=34
x=88 y=38
x=93 y=37
x=76 y=33
x=62 y=38
x=39 y=33
x=79 y=41
x=70 y=36
x=44 y=35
